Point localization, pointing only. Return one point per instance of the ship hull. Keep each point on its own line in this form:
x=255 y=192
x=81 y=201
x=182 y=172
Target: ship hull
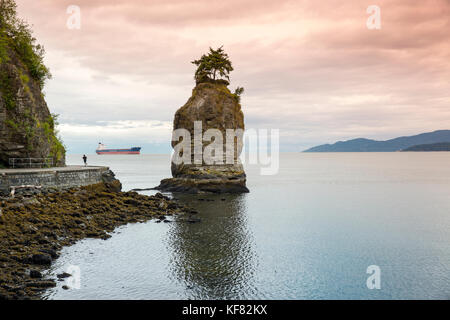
x=119 y=151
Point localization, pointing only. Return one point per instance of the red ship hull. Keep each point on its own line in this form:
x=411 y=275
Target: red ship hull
x=118 y=152
x=134 y=150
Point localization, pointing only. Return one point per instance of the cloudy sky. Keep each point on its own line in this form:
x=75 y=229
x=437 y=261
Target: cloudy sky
x=311 y=69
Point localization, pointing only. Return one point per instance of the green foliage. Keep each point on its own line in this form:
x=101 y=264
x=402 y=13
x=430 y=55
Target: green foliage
x=29 y=135
x=238 y=92
x=57 y=149
x=33 y=56
x=9 y=99
x=8 y=10
x=24 y=128
x=3 y=48
x=19 y=47
x=215 y=64
x=27 y=127
x=12 y=125
x=24 y=78
x=17 y=34
x=7 y=91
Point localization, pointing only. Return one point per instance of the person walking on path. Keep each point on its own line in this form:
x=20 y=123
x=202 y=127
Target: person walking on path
x=85 y=160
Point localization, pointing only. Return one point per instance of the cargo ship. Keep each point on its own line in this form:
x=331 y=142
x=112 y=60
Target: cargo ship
x=101 y=149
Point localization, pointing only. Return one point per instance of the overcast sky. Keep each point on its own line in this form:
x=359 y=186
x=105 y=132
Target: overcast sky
x=310 y=68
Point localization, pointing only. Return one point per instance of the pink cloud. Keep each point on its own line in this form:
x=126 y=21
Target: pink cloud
x=296 y=56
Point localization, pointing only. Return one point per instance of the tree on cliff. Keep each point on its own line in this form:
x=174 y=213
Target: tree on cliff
x=8 y=12
x=27 y=128
x=213 y=65
x=16 y=34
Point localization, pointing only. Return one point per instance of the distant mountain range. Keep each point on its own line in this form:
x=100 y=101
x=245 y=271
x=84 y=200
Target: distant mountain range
x=397 y=144
x=441 y=146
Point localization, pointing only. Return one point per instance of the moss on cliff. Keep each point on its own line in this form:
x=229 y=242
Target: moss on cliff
x=57 y=149
x=3 y=47
x=218 y=108
x=6 y=88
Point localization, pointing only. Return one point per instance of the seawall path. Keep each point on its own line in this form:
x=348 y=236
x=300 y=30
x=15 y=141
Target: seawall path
x=58 y=178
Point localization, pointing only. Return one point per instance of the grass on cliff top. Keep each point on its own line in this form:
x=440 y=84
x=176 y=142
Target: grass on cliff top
x=220 y=85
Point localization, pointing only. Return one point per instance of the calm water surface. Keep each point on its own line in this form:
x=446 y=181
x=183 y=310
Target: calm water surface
x=309 y=232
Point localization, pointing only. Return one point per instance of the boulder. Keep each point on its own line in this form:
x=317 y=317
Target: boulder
x=112 y=184
x=34 y=274
x=41 y=259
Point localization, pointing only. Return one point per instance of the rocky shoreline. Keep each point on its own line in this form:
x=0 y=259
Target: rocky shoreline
x=33 y=229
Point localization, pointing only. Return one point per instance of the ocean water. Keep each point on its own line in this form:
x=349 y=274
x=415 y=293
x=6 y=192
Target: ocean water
x=308 y=232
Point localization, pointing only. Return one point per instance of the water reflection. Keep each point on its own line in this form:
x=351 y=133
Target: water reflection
x=214 y=259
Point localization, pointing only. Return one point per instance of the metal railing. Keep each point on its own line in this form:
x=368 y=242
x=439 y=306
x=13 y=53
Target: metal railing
x=31 y=162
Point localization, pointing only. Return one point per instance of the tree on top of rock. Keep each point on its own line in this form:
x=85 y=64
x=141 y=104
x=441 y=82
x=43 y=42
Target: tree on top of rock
x=213 y=66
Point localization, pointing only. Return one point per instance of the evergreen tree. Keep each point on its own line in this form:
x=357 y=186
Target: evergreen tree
x=214 y=65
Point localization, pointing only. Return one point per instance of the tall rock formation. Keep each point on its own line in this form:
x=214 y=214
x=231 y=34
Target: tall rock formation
x=214 y=107
x=27 y=128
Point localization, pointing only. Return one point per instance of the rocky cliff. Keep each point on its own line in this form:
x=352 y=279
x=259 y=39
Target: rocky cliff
x=215 y=107
x=27 y=128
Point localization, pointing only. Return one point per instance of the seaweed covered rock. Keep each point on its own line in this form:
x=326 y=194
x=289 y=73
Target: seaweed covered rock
x=32 y=233
x=211 y=106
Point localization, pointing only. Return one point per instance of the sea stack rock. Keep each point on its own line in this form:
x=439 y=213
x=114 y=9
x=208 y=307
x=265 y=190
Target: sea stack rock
x=211 y=106
x=208 y=133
